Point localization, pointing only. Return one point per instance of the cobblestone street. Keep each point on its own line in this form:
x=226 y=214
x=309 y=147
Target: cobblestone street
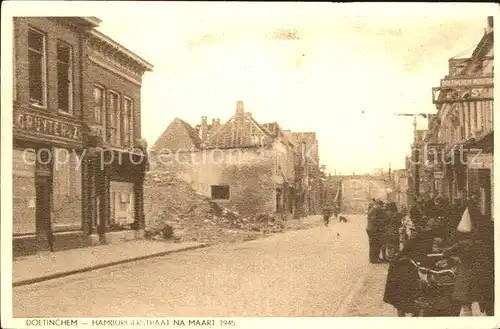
x=315 y=272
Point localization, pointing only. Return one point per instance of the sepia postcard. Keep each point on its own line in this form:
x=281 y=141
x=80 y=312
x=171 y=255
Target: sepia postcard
x=248 y=164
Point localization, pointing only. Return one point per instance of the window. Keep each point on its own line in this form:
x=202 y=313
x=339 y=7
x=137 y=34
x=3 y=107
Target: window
x=64 y=78
x=67 y=191
x=23 y=191
x=111 y=118
x=37 y=68
x=99 y=105
x=126 y=122
x=220 y=192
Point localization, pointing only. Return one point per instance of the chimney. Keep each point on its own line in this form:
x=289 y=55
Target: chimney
x=239 y=107
x=215 y=123
x=203 y=128
x=490 y=22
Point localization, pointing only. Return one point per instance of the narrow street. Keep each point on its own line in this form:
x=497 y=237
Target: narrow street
x=311 y=272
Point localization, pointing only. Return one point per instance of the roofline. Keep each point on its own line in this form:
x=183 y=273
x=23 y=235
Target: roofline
x=101 y=36
x=484 y=41
x=92 y=20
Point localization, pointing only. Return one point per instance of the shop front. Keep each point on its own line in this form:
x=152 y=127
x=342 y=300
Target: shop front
x=115 y=194
x=46 y=183
x=480 y=181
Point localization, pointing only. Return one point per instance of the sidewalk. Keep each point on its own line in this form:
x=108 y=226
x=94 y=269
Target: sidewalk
x=367 y=301
x=50 y=265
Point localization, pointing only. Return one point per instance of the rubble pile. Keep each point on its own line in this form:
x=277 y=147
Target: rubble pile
x=174 y=210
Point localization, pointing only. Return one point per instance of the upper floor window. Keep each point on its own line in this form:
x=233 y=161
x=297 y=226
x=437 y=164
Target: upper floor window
x=112 y=117
x=126 y=122
x=99 y=104
x=64 y=77
x=37 y=67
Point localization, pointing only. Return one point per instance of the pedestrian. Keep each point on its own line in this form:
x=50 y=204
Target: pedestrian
x=407 y=230
x=443 y=211
x=474 y=247
x=390 y=231
x=402 y=287
x=336 y=210
x=372 y=203
x=417 y=213
x=327 y=213
x=373 y=229
x=428 y=206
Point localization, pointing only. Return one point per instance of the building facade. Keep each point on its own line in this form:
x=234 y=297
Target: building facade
x=50 y=141
x=309 y=197
x=117 y=155
x=463 y=128
x=242 y=164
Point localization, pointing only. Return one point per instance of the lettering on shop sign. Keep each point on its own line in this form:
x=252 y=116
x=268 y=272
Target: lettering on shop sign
x=484 y=81
x=462 y=94
x=32 y=123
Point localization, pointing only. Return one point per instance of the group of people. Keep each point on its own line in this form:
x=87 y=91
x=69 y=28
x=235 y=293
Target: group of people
x=329 y=211
x=455 y=229
x=384 y=222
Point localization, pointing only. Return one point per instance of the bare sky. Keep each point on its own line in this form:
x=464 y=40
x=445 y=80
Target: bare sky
x=333 y=69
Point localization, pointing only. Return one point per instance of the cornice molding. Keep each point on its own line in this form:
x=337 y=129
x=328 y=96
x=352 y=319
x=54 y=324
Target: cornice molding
x=103 y=39
x=114 y=70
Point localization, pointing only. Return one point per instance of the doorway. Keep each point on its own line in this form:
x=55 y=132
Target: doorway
x=44 y=211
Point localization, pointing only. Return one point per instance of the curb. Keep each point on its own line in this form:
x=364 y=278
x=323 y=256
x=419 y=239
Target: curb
x=96 y=267
x=345 y=305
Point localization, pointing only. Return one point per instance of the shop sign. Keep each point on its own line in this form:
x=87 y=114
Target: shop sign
x=462 y=94
x=480 y=161
x=46 y=127
x=467 y=82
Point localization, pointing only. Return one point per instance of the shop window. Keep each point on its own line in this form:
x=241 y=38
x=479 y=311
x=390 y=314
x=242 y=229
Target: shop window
x=64 y=77
x=67 y=191
x=99 y=104
x=126 y=122
x=37 y=67
x=220 y=192
x=23 y=192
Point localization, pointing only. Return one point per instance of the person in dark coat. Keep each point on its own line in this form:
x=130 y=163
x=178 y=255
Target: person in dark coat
x=327 y=213
x=429 y=207
x=390 y=231
x=373 y=229
x=402 y=287
x=444 y=211
x=417 y=213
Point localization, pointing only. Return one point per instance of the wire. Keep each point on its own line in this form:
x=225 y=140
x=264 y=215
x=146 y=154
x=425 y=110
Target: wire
x=464 y=51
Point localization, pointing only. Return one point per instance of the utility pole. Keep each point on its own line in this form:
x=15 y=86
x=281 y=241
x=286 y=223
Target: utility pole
x=415 y=151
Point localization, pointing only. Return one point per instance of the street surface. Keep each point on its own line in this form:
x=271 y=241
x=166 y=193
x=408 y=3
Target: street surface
x=313 y=272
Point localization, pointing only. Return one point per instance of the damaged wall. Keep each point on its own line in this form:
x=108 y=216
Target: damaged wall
x=249 y=173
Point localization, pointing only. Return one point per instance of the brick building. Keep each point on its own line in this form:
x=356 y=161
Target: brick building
x=309 y=200
x=52 y=106
x=243 y=164
x=462 y=132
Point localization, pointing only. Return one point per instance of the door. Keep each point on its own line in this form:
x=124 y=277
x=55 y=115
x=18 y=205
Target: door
x=485 y=199
x=43 y=212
